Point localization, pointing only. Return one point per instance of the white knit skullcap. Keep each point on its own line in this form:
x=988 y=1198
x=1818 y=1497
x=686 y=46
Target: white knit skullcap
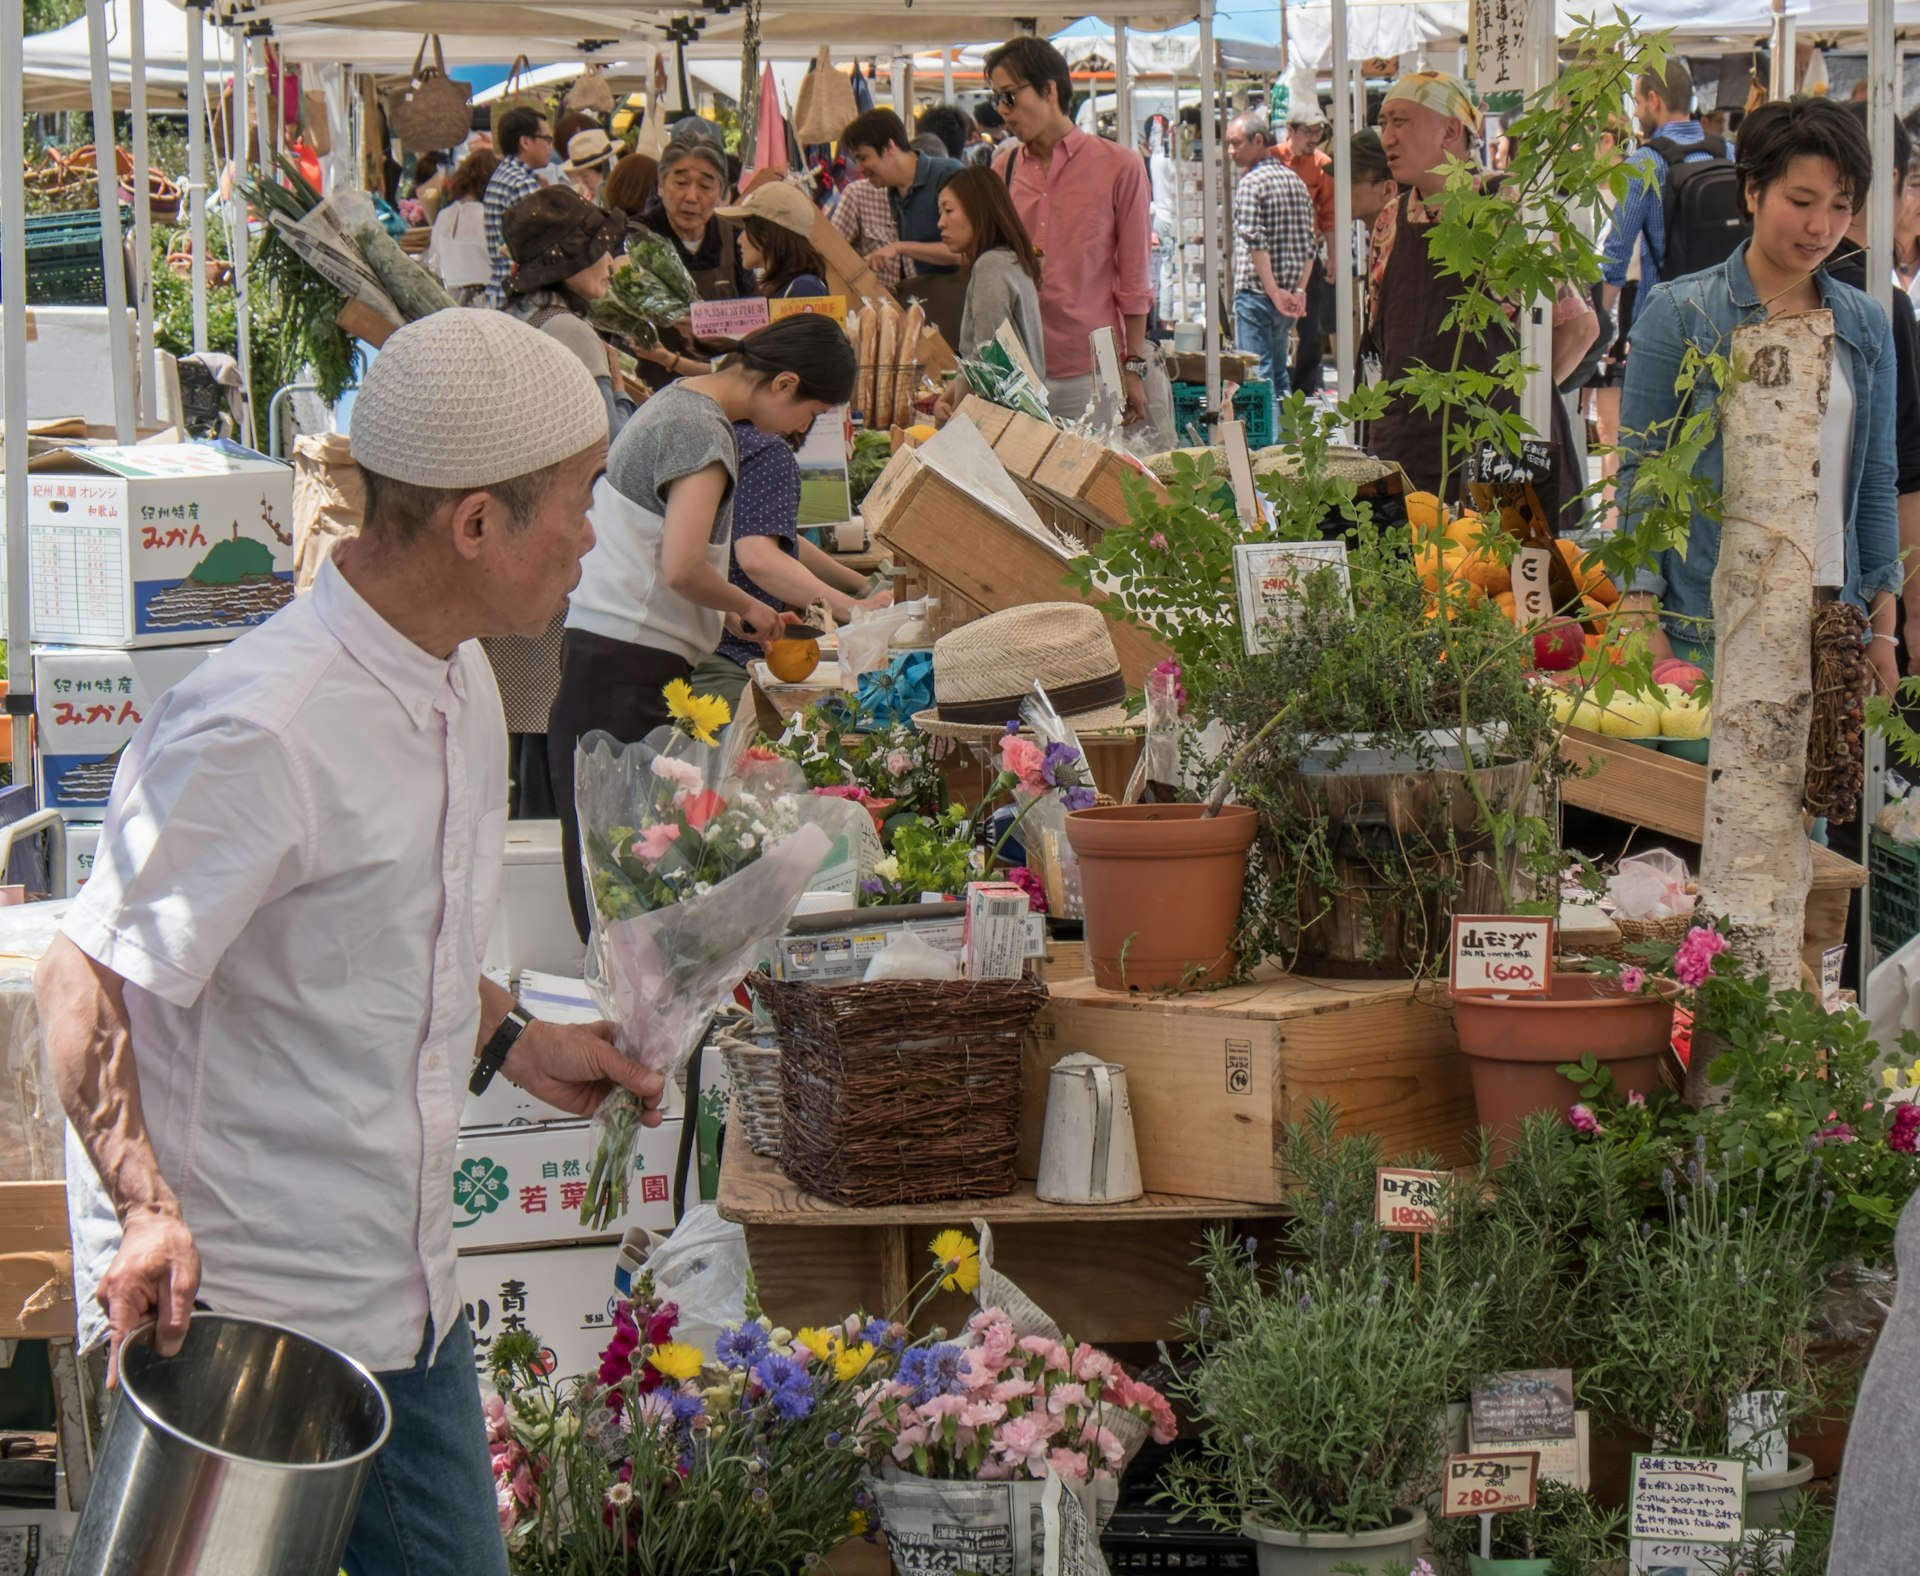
x=468 y=397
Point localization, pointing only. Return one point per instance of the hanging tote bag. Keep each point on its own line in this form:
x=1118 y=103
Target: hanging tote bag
x=652 y=140
x=515 y=97
x=591 y=95
x=826 y=106
x=430 y=113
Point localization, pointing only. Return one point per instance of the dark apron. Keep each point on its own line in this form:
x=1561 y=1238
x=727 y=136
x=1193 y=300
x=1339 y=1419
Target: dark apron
x=1415 y=299
x=720 y=281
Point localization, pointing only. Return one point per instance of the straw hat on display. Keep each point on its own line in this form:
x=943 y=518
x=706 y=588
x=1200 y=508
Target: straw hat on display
x=984 y=670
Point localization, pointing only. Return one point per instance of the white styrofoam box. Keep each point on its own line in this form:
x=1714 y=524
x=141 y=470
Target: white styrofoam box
x=563 y=1295
x=521 y=1186
x=532 y=925
x=87 y=705
x=70 y=366
x=83 y=842
x=157 y=544
x=833 y=956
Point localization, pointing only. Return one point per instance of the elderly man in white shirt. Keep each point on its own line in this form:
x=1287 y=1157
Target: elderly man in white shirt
x=263 y=1010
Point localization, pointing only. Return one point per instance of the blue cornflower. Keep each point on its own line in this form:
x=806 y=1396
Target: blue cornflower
x=876 y=1333
x=744 y=1347
x=687 y=1407
x=794 y=1400
x=776 y=1372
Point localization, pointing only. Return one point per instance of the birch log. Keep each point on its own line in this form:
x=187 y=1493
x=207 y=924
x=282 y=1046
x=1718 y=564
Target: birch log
x=1755 y=865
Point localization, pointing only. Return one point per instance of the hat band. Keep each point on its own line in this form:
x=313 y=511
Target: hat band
x=1068 y=699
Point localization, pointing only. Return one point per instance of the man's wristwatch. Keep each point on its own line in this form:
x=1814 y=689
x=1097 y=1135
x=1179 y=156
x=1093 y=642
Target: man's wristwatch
x=1137 y=365
x=493 y=1055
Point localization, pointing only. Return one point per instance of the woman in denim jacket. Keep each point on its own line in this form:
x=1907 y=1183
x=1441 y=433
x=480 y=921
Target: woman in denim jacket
x=1804 y=167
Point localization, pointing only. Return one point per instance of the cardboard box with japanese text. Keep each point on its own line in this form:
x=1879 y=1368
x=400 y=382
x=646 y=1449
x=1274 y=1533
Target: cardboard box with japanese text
x=157 y=544
x=87 y=705
x=565 y=1296
x=519 y=1186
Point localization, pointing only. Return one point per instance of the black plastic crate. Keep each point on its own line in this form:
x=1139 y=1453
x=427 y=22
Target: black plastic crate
x=1143 y=1537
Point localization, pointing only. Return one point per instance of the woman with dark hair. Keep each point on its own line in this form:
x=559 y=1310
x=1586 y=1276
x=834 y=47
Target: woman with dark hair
x=978 y=221
x=630 y=185
x=457 y=248
x=1804 y=169
x=776 y=228
x=654 y=597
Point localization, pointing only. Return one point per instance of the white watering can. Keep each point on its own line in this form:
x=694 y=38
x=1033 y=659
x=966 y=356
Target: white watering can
x=1087 y=1153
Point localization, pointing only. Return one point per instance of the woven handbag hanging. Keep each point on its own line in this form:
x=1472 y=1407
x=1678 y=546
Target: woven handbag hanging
x=431 y=112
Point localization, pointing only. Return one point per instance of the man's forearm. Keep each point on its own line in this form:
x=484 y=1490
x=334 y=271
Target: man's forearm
x=824 y=566
x=1135 y=324
x=83 y=1017
x=931 y=252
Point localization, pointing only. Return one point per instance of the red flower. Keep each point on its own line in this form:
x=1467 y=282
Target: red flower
x=1905 y=1136
x=702 y=808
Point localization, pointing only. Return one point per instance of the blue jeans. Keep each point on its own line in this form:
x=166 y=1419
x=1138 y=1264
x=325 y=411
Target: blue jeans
x=428 y=1508
x=1259 y=328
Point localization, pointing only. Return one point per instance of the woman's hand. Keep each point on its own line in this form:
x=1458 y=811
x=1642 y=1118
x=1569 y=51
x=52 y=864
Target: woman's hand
x=1884 y=655
x=759 y=623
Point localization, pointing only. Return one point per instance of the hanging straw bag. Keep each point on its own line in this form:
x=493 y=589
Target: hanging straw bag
x=431 y=112
x=515 y=97
x=591 y=94
x=826 y=106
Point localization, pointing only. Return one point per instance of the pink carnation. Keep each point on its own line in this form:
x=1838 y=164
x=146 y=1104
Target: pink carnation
x=684 y=775
x=1694 y=961
x=897 y=763
x=1635 y=1097
x=1026 y=760
x=1583 y=1119
x=1633 y=979
x=1062 y=1396
x=1905 y=1133
x=1022 y=1443
x=651 y=846
x=1068 y=1464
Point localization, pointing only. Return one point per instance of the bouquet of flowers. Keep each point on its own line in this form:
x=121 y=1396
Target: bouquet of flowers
x=695 y=852
x=667 y=1462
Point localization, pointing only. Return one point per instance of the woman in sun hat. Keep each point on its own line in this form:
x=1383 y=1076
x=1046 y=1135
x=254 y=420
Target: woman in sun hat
x=982 y=672
x=776 y=241
x=589 y=157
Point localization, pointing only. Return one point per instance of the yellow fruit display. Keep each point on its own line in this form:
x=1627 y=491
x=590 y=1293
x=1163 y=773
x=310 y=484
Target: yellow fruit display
x=790 y=661
x=1467 y=529
x=1631 y=717
x=1485 y=571
x=1425 y=514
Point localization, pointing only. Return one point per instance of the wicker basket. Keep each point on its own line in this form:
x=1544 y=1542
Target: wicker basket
x=1637 y=932
x=900 y=1091
x=753 y=1073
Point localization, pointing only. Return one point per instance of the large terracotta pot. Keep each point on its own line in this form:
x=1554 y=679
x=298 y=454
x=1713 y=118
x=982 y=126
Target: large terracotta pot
x=1516 y=1043
x=1162 y=885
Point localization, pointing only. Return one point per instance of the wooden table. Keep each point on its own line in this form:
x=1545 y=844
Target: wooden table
x=1110 y=1274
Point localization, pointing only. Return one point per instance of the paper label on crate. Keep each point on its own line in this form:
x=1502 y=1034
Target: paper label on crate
x=1488 y=1482
x=1532 y=589
x=565 y=1296
x=1501 y=955
x=1407 y=1200
x=730 y=319
x=832 y=306
x=1525 y=1403
x=527 y=1184
x=1271 y=579
x=1686 y=1499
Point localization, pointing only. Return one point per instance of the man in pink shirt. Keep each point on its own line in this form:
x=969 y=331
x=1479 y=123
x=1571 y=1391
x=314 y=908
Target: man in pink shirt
x=1086 y=205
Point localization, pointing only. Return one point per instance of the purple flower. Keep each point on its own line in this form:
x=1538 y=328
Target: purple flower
x=872 y=884
x=774 y=1371
x=1583 y=1119
x=1059 y=758
x=1013 y=726
x=931 y=1371
x=686 y=1408
x=794 y=1401
x=1633 y=979
x=1635 y=1097
x=1078 y=798
x=744 y=1347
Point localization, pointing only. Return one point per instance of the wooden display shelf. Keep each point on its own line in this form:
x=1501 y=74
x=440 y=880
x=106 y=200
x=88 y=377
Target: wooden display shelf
x=1106 y=1273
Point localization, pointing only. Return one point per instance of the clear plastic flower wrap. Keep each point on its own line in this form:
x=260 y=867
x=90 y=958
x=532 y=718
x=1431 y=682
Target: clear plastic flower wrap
x=695 y=854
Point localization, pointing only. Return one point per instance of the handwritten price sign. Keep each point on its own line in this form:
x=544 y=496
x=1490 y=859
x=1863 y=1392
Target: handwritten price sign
x=1502 y=955
x=1489 y=1482
x=1406 y=1200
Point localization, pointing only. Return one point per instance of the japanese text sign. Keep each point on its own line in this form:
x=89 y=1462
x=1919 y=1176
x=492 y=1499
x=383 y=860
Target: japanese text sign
x=1532 y=590
x=1528 y=1403
x=1687 y=1499
x=834 y=307
x=1271 y=579
x=1501 y=955
x=731 y=319
x=1489 y=1482
x=1406 y=1200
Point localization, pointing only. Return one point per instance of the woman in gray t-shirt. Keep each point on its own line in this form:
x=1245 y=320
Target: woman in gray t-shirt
x=977 y=219
x=654 y=597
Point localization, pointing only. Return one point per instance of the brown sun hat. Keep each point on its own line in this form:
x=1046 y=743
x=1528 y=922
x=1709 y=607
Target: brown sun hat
x=982 y=672
x=553 y=233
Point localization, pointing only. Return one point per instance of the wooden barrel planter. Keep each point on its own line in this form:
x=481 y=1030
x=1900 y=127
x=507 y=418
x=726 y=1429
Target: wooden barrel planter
x=1408 y=852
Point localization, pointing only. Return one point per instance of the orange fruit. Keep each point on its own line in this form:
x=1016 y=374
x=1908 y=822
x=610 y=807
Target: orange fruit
x=1599 y=586
x=790 y=661
x=1505 y=602
x=1467 y=529
x=1425 y=513
x=1484 y=571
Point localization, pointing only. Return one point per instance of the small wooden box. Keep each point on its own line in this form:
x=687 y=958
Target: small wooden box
x=1214 y=1077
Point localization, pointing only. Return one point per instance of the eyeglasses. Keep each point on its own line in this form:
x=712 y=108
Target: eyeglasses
x=1004 y=97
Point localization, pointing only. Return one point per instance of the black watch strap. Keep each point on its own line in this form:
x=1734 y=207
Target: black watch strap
x=493 y=1054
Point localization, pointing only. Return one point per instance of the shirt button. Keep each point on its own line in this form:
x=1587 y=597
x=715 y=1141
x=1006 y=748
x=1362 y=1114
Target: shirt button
x=434 y=1060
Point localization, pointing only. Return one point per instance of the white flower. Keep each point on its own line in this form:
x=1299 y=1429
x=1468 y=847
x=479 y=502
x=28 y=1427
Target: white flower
x=759 y=828
x=888 y=869
x=620 y=1495
x=748 y=842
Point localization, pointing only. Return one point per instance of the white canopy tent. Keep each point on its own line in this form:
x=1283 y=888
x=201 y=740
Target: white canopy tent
x=57 y=66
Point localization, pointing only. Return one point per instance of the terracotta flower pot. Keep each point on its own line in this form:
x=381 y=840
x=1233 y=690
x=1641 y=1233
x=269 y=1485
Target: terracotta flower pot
x=1515 y=1044
x=1162 y=886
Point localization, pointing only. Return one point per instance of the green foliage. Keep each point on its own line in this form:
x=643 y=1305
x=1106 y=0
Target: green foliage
x=43 y=16
x=1567 y=1527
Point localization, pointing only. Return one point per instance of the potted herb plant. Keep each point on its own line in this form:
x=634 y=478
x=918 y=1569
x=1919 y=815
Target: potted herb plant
x=1322 y=1389
x=1565 y=1534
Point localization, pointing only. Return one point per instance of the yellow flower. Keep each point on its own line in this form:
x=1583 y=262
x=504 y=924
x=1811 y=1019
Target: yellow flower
x=857 y=1524
x=849 y=1362
x=703 y=716
x=1890 y=1076
x=958 y=1256
x=676 y=1361
x=822 y=1343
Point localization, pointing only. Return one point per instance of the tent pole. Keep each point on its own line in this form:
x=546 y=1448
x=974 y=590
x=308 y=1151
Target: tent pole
x=197 y=166
x=1783 y=52
x=262 y=119
x=1540 y=51
x=1210 y=203
x=142 y=213
x=1883 y=65
x=946 y=75
x=902 y=86
x=1342 y=260
x=13 y=333
x=1122 y=87
x=113 y=255
x=239 y=240
x=1178 y=165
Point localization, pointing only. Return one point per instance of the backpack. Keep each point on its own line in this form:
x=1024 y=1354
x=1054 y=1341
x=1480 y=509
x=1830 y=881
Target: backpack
x=1700 y=201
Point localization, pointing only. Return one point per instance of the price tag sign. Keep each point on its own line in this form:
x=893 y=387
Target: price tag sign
x=1532 y=594
x=1406 y=1200
x=1246 y=497
x=1525 y=1404
x=1687 y=1499
x=1489 y=1482
x=1502 y=955
x=834 y=307
x=1270 y=579
x=732 y=319
x=1831 y=962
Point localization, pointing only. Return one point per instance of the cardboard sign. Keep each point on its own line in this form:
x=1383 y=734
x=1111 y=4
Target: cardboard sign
x=732 y=319
x=1501 y=955
x=1831 y=962
x=1524 y=1404
x=831 y=306
x=1407 y=1200
x=1686 y=1499
x=1246 y=497
x=1532 y=594
x=1565 y=1461
x=88 y=704
x=1270 y=578
x=1489 y=1482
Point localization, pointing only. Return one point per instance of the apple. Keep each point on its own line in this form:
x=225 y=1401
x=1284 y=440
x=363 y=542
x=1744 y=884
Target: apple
x=1682 y=675
x=1686 y=719
x=1562 y=703
x=1559 y=646
x=1630 y=717
x=1589 y=716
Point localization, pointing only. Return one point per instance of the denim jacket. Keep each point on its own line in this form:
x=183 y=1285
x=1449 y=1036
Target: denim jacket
x=1703 y=309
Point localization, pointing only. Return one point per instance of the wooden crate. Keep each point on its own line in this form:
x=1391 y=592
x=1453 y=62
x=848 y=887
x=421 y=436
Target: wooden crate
x=1089 y=479
x=1214 y=1077
x=36 y=1262
x=990 y=561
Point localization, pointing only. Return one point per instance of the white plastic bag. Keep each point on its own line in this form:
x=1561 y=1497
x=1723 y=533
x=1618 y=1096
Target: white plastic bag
x=1652 y=885
x=702 y=1268
x=863 y=643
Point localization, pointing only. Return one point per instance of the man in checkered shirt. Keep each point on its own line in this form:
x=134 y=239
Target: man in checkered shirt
x=1273 y=244
x=864 y=215
x=526 y=147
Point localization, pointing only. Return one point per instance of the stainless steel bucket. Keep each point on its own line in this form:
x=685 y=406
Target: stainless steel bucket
x=243 y=1455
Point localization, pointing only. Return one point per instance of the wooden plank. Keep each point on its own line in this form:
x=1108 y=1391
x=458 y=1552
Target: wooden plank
x=36 y=1262
x=989 y=418
x=362 y=322
x=1092 y=477
x=1024 y=442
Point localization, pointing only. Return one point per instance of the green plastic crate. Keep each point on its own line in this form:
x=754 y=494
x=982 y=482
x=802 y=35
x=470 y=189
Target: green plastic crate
x=64 y=258
x=1253 y=404
x=1893 y=892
